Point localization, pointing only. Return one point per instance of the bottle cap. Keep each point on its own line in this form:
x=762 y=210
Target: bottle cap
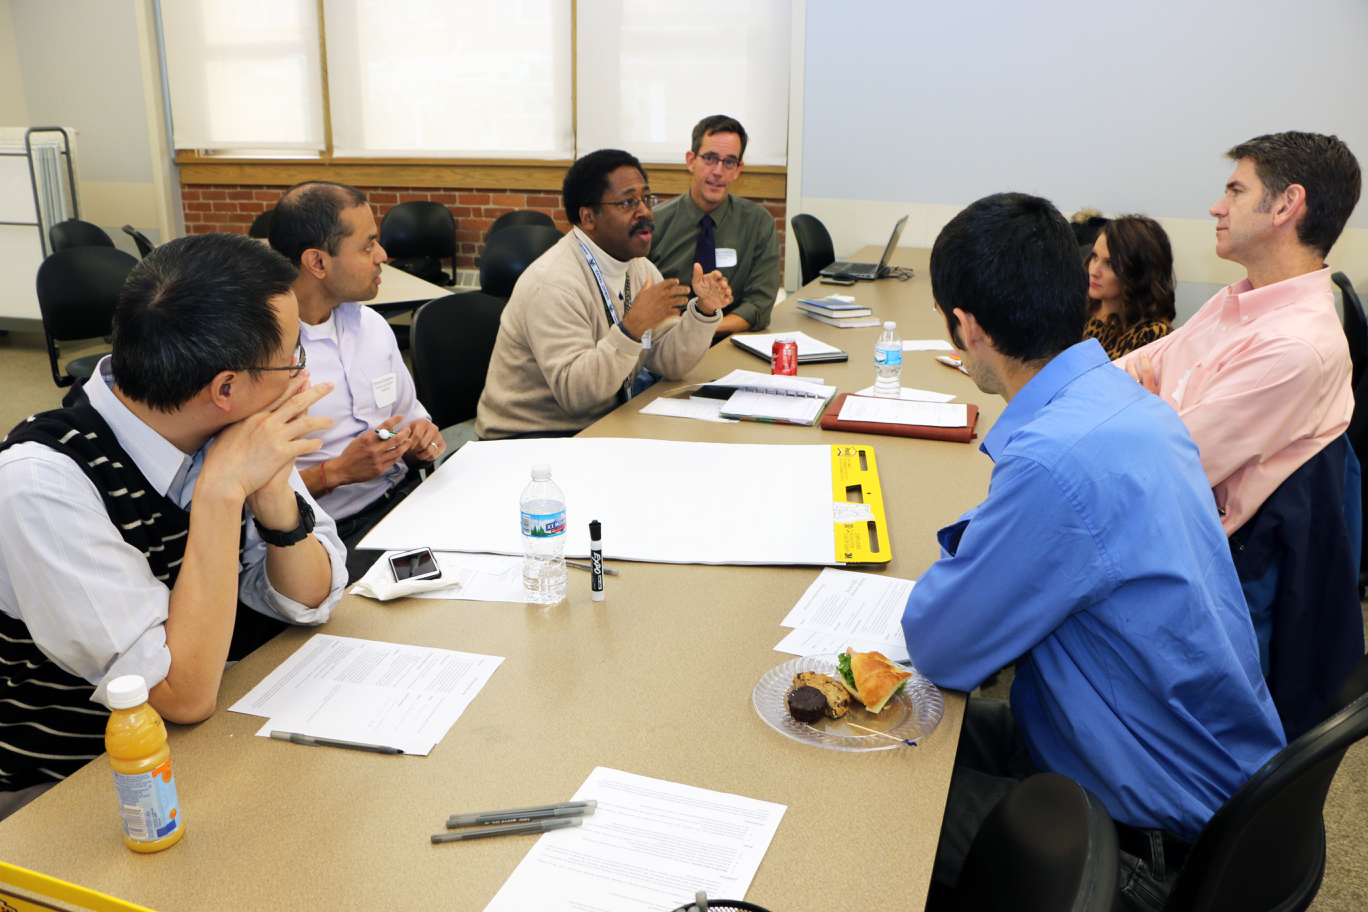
x=127 y=692
x=541 y=472
x=889 y=324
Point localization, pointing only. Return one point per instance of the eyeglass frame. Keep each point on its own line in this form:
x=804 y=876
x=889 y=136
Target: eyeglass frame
x=295 y=369
x=728 y=164
x=630 y=205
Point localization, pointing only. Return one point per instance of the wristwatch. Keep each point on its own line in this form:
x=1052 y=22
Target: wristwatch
x=295 y=535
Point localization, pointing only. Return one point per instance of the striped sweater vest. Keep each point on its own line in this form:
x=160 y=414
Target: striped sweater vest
x=49 y=727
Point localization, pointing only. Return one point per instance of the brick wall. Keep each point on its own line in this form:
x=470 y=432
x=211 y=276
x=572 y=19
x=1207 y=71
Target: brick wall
x=210 y=207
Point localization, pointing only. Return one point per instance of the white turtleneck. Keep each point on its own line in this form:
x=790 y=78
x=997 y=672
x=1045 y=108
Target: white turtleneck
x=614 y=271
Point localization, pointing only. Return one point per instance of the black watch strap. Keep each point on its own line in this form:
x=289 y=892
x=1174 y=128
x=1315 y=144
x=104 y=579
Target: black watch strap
x=295 y=535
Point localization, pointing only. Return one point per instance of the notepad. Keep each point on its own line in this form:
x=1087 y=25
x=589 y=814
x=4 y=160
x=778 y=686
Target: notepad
x=766 y=405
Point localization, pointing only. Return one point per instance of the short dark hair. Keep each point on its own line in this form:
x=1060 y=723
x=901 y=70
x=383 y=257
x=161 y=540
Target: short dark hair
x=719 y=123
x=1142 y=259
x=587 y=180
x=1012 y=261
x=309 y=217
x=1323 y=165
x=192 y=308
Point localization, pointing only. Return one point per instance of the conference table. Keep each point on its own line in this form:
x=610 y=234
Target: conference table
x=656 y=680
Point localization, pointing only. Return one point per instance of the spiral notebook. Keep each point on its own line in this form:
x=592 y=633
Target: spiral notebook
x=752 y=396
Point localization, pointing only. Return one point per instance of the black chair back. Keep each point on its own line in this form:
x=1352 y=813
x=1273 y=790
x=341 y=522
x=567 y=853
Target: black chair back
x=1265 y=848
x=76 y=233
x=144 y=245
x=77 y=291
x=1049 y=846
x=419 y=229
x=519 y=217
x=1355 y=326
x=815 y=252
x=507 y=255
x=453 y=338
x=261 y=225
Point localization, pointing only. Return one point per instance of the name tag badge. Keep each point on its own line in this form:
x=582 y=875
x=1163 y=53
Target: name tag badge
x=646 y=340
x=726 y=256
x=386 y=390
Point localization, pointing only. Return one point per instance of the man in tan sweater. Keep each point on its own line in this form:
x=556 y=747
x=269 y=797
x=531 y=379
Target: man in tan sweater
x=591 y=321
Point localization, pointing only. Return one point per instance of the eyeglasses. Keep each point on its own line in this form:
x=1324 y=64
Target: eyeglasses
x=296 y=367
x=630 y=205
x=728 y=164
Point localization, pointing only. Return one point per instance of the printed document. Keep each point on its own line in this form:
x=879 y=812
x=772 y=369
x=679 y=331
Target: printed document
x=650 y=845
x=912 y=395
x=927 y=345
x=369 y=692
x=697 y=407
x=899 y=411
x=857 y=605
x=802 y=642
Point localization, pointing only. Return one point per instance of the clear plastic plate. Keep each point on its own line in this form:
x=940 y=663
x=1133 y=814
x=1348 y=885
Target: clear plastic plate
x=910 y=715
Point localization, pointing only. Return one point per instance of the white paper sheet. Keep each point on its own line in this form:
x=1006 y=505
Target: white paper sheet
x=746 y=404
x=651 y=510
x=851 y=604
x=927 y=345
x=911 y=395
x=650 y=846
x=698 y=408
x=806 y=344
x=806 y=385
x=369 y=692
x=901 y=411
x=801 y=642
x=473 y=585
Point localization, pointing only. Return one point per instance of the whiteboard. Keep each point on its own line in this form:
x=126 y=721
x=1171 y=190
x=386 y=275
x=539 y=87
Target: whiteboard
x=658 y=500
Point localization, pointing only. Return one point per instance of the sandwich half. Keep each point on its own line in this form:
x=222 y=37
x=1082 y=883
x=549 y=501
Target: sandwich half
x=871 y=677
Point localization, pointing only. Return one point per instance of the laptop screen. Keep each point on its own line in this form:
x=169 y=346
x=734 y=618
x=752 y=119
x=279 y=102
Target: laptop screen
x=892 y=243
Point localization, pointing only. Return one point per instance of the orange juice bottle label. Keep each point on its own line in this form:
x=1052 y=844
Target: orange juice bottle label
x=149 y=805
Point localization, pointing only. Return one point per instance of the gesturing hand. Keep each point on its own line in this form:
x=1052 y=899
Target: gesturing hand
x=655 y=303
x=712 y=290
x=1143 y=372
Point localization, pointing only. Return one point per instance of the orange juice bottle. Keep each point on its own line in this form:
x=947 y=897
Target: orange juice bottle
x=136 y=741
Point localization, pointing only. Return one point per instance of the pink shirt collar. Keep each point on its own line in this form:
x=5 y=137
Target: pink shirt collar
x=1255 y=302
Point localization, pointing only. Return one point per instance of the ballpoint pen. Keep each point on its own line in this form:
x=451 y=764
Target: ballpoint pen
x=297 y=738
x=542 y=827
x=523 y=815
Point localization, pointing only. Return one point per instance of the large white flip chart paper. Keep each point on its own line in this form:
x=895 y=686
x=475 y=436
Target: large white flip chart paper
x=658 y=500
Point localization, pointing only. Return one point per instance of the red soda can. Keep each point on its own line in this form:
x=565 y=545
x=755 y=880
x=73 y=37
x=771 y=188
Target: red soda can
x=785 y=358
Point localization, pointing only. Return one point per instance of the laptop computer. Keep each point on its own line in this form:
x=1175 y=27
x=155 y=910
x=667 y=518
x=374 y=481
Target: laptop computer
x=868 y=271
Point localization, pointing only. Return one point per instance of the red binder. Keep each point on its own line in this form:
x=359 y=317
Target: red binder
x=831 y=421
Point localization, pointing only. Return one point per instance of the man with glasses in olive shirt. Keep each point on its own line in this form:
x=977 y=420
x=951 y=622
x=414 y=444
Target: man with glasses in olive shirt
x=711 y=227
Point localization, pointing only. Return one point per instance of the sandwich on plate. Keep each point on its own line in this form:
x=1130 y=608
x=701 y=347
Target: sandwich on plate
x=871 y=677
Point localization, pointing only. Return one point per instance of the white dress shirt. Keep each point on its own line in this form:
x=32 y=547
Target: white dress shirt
x=357 y=354
x=89 y=598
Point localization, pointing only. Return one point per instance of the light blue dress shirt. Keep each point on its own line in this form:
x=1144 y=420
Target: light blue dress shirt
x=1099 y=564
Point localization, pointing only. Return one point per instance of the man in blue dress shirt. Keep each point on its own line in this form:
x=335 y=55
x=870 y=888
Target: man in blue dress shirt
x=1097 y=563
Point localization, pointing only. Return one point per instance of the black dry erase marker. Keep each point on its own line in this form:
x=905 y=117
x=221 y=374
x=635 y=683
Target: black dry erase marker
x=596 y=560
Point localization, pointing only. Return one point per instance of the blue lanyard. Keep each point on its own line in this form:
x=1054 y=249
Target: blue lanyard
x=607 y=297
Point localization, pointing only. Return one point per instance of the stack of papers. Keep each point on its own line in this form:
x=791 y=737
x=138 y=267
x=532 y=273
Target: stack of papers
x=845 y=608
x=902 y=411
x=650 y=845
x=920 y=345
x=368 y=692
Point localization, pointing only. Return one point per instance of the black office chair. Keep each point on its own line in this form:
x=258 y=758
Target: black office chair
x=519 y=217
x=77 y=291
x=453 y=338
x=261 y=225
x=1264 y=850
x=1048 y=846
x=1355 y=326
x=815 y=252
x=144 y=245
x=76 y=233
x=418 y=236
x=507 y=255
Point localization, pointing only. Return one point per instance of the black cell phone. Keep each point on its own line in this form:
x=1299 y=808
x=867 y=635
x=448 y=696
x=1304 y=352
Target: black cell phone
x=835 y=280
x=418 y=564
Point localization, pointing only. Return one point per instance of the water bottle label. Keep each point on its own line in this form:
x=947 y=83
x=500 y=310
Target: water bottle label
x=890 y=357
x=148 y=803
x=543 y=525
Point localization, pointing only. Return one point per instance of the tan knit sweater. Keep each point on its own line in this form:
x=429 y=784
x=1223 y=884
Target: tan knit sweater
x=559 y=361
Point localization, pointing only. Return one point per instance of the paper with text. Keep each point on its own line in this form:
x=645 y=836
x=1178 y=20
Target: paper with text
x=851 y=604
x=901 y=411
x=369 y=692
x=650 y=845
x=802 y=642
x=698 y=408
x=747 y=404
x=912 y=395
x=495 y=578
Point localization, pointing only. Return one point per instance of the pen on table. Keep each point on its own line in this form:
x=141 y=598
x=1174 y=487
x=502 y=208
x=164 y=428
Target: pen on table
x=521 y=815
x=596 y=560
x=607 y=571
x=543 y=827
x=297 y=738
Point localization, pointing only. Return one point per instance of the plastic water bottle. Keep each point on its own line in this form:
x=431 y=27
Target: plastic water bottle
x=136 y=740
x=543 y=529
x=888 y=354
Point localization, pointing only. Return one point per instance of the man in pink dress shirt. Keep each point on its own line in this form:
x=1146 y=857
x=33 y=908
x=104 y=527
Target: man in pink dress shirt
x=1261 y=374
x=328 y=232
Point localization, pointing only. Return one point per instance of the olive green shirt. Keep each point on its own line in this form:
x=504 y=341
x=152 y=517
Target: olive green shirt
x=744 y=226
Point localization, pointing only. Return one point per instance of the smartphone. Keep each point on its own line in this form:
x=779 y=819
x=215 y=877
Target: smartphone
x=833 y=280
x=418 y=564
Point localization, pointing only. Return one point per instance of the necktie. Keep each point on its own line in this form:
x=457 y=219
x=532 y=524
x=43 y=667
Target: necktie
x=705 y=252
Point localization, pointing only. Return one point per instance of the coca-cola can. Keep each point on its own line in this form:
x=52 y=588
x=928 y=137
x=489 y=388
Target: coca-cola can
x=785 y=360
